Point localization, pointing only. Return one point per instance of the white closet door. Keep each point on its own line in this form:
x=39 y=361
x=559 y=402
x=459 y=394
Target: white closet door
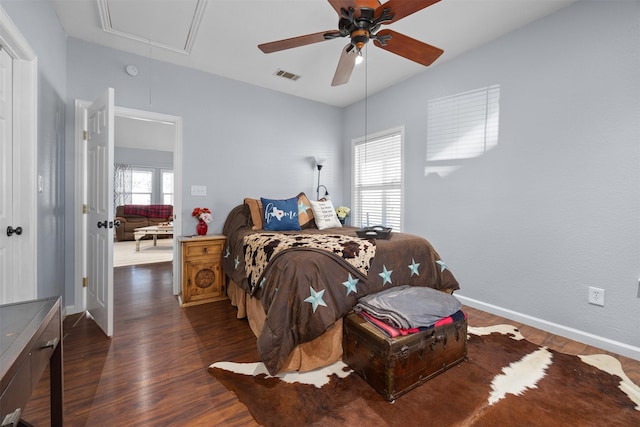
x=6 y=180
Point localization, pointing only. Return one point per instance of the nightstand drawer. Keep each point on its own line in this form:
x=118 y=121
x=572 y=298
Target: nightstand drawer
x=203 y=248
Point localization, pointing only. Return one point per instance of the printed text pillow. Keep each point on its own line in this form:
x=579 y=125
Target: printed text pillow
x=324 y=214
x=280 y=215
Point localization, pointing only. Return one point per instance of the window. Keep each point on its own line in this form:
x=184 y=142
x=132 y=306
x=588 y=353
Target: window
x=141 y=186
x=461 y=126
x=377 y=180
x=167 y=187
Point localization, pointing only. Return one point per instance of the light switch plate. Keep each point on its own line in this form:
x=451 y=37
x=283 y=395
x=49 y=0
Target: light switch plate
x=198 y=190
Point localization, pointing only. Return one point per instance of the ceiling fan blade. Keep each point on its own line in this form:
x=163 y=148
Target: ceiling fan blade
x=338 y=5
x=409 y=48
x=294 y=42
x=403 y=8
x=345 y=66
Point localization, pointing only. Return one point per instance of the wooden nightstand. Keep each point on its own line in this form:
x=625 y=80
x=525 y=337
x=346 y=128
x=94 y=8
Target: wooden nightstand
x=202 y=277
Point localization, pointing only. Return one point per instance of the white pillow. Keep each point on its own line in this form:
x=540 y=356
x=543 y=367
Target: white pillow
x=324 y=214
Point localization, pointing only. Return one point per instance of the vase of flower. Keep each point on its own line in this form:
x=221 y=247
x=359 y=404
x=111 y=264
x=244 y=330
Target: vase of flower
x=343 y=213
x=202 y=228
x=203 y=215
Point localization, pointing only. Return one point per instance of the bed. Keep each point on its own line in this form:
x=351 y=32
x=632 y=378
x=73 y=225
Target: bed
x=294 y=287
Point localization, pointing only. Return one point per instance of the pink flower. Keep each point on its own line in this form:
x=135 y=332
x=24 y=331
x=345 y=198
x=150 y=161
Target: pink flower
x=199 y=212
x=206 y=217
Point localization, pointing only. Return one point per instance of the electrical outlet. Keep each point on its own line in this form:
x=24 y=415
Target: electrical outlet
x=596 y=296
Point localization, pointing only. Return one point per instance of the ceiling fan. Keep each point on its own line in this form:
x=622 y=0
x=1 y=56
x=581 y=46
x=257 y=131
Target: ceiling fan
x=360 y=20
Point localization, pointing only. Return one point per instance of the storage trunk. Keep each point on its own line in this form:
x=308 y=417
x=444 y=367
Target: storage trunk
x=394 y=366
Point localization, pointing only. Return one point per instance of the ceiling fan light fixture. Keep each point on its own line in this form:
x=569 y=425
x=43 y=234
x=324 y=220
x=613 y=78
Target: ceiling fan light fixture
x=359 y=58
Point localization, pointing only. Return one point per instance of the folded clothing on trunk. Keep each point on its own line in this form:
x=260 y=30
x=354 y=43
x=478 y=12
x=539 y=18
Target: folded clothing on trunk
x=393 y=332
x=409 y=307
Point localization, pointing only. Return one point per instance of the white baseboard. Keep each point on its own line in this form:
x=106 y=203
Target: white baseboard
x=563 y=331
x=72 y=309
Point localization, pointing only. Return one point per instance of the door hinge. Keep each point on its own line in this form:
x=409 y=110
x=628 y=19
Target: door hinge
x=84 y=135
x=84 y=208
x=85 y=281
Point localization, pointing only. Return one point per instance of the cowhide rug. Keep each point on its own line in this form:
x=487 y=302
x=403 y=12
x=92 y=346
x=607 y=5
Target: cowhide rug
x=506 y=381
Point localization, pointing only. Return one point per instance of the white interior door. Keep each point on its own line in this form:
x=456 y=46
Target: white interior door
x=6 y=179
x=18 y=164
x=100 y=123
x=17 y=224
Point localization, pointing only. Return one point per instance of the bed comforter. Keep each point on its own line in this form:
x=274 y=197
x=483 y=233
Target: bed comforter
x=305 y=288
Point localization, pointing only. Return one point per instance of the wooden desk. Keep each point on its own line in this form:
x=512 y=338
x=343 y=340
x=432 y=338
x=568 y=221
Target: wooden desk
x=30 y=337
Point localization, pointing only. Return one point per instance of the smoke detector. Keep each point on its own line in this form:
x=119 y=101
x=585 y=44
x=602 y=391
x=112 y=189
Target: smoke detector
x=132 y=70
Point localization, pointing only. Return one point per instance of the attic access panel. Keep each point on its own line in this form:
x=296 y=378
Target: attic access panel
x=169 y=24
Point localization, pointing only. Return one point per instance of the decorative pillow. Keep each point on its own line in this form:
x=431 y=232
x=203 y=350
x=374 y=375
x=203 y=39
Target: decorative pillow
x=280 y=215
x=324 y=214
x=255 y=207
x=305 y=214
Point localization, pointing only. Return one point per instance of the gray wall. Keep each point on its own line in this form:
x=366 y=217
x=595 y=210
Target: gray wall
x=39 y=25
x=140 y=157
x=555 y=207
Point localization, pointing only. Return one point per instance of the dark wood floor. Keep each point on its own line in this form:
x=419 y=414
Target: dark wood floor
x=153 y=371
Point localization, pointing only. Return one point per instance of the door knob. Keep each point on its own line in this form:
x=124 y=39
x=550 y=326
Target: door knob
x=117 y=223
x=102 y=224
x=11 y=230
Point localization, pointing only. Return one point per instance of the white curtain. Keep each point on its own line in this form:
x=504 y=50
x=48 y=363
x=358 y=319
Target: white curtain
x=122 y=187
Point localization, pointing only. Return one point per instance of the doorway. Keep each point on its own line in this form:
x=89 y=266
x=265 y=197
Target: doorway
x=124 y=117
x=143 y=166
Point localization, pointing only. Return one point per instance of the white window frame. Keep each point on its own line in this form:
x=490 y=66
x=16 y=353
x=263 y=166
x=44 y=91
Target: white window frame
x=152 y=170
x=359 y=218
x=161 y=178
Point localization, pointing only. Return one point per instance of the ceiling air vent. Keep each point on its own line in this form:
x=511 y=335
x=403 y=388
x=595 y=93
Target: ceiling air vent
x=287 y=75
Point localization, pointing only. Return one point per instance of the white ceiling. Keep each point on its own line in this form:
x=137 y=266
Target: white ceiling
x=221 y=37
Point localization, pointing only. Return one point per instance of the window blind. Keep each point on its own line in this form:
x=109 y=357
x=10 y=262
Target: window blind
x=464 y=125
x=377 y=189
